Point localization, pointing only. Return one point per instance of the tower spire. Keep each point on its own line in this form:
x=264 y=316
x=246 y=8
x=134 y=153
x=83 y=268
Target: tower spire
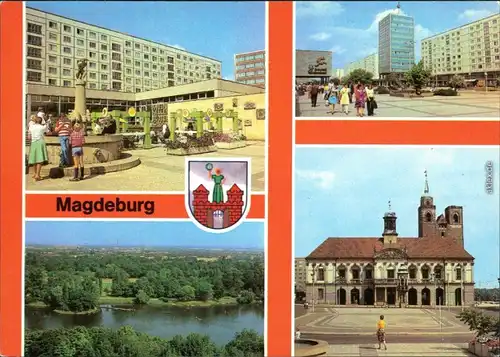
x=426 y=187
x=398 y=7
x=389 y=202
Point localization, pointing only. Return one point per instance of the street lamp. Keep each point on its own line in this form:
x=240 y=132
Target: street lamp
x=313 y=280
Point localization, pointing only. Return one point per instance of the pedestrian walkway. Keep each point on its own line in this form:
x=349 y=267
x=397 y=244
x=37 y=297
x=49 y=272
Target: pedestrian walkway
x=401 y=349
x=464 y=105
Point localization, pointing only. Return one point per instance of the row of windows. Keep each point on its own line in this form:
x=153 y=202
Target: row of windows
x=37 y=29
x=249 y=74
x=251 y=65
x=250 y=57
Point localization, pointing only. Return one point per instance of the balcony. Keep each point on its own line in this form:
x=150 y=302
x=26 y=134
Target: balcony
x=386 y=281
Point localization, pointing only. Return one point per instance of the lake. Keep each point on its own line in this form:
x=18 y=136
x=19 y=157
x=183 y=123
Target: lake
x=218 y=322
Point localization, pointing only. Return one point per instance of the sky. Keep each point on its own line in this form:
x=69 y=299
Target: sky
x=249 y=235
x=214 y=29
x=350 y=29
x=347 y=195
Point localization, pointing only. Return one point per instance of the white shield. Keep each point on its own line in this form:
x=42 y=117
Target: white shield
x=218 y=192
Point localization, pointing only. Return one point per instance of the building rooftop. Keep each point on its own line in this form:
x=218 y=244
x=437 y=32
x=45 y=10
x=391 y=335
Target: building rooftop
x=122 y=33
x=366 y=248
x=458 y=27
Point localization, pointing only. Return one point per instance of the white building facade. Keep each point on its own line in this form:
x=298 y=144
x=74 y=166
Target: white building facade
x=472 y=50
x=116 y=61
x=368 y=63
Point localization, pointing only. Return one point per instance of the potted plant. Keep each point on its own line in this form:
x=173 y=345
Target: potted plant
x=486 y=329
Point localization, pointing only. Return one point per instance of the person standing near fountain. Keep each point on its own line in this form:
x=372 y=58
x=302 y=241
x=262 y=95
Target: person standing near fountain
x=63 y=129
x=38 y=150
x=77 y=140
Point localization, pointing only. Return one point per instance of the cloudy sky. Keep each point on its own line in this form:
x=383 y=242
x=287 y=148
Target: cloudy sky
x=344 y=192
x=350 y=29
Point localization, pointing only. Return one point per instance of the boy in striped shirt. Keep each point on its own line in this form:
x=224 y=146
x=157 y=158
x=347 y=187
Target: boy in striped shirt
x=63 y=129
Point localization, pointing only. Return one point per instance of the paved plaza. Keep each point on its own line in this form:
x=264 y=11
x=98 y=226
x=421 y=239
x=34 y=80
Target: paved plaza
x=410 y=331
x=467 y=104
x=157 y=172
x=400 y=350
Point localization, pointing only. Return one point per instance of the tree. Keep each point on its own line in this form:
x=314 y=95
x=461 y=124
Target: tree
x=457 y=82
x=141 y=298
x=246 y=297
x=245 y=343
x=394 y=80
x=360 y=75
x=418 y=76
x=480 y=323
x=187 y=293
x=204 y=290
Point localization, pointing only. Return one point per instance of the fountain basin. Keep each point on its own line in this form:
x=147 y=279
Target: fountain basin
x=310 y=348
x=98 y=149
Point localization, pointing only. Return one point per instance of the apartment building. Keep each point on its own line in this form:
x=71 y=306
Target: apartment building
x=471 y=50
x=116 y=61
x=250 y=68
x=396 y=44
x=368 y=63
x=300 y=274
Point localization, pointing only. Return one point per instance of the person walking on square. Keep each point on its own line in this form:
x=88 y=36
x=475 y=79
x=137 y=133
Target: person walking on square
x=38 y=150
x=333 y=98
x=371 y=104
x=360 y=96
x=77 y=140
x=381 y=333
x=314 y=94
x=63 y=129
x=344 y=99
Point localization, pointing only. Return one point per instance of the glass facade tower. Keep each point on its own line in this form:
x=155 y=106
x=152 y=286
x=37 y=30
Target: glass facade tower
x=396 y=44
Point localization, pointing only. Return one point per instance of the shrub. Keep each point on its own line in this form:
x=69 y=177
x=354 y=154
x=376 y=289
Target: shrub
x=382 y=90
x=446 y=92
x=227 y=137
x=187 y=142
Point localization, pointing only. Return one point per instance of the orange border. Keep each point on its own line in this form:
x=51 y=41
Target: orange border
x=166 y=206
x=11 y=209
x=279 y=216
x=394 y=132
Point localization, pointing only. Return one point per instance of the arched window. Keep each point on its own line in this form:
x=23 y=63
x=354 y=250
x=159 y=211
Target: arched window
x=428 y=217
x=456 y=218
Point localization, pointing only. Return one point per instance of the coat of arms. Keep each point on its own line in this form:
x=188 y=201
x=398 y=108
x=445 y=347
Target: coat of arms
x=218 y=197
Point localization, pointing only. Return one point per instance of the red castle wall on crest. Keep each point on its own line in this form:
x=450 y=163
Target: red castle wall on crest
x=203 y=209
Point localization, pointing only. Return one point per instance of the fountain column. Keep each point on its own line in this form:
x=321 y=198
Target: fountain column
x=80 y=99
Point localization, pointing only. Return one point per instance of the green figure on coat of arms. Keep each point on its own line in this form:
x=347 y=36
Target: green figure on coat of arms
x=219 y=179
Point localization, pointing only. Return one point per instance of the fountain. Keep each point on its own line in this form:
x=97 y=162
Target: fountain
x=102 y=153
x=310 y=348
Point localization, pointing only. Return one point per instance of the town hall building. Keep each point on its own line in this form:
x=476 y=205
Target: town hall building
x=428 y=270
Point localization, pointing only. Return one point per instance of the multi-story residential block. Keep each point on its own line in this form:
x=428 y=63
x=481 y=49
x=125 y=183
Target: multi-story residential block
x=396 y=44
x=431 y=269
x=116 y=61
x=471 y=50
x=368 y=63
x=300 y=274
x=250 y=68
x=338 y=72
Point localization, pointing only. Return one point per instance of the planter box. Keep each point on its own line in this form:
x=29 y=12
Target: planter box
x=191 y=151
x=481 y=350
x=232 y=145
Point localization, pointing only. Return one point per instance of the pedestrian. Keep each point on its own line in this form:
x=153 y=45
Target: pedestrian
x=63 y=130
x=41 y=114
x=38 y=150
x=333 y=98
x=344 y=99
x=381 y=332
x=77 y=140
x=360 y=100
x=351 y=91
x=297 y=333
x=371 y=104
x=314 y=94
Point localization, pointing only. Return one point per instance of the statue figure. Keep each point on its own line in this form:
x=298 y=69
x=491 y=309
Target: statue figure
x=218 y=178
x=82 y=64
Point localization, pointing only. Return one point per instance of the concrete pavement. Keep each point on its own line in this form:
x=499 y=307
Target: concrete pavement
x=157 y=172
x=467 y=104
x=400 y=350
